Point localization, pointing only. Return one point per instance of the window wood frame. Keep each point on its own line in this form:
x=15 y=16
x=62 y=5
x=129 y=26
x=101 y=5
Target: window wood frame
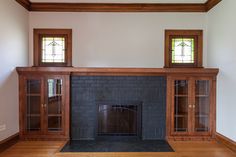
x=40 y=33
x=197 y=35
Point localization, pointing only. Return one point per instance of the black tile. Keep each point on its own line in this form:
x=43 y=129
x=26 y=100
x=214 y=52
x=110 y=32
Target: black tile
x=89 y=91
x=117 y=146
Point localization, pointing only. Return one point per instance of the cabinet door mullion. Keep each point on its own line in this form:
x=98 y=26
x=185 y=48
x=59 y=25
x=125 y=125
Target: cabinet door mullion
x=191 y=105
x=43 y=105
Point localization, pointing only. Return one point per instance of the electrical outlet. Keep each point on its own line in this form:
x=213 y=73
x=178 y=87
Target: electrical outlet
x=3 y=127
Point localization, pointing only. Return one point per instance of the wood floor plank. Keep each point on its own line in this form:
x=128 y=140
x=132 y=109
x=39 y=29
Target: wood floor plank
x=182 y=149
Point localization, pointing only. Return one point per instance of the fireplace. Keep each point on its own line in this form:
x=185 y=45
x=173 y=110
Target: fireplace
x=116 y=97
x=119 y=120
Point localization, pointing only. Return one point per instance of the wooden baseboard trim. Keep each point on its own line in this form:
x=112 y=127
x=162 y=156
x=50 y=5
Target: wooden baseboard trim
x=226 y=141
x=7 y=143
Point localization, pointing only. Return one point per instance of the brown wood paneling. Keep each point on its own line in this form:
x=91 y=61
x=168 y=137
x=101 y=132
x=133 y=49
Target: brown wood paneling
x=5 y=144
x=226 y=141
x=119 y=7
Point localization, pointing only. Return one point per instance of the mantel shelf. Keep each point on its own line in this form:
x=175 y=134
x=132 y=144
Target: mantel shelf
x=118 y=71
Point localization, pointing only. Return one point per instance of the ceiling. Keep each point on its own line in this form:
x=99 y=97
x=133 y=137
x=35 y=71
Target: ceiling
x=121 y=1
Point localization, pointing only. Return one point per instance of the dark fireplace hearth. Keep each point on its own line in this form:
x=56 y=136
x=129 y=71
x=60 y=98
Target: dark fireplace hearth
x=119 y=120
x=117 y=98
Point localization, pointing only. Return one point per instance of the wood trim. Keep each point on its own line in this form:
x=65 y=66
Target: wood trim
x=7 y=143
x=118 y=71
x=226 y=141
x=118 y=7
x=25 y=3
x=213 y=105
x=211 y=3
x=67 y=107
x=168 y=107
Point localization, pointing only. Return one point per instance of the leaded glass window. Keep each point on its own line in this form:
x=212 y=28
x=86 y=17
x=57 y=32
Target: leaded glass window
x=182 y=50
x=53 y=49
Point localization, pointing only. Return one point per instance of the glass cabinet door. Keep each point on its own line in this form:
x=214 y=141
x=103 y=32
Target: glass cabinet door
x=33 y=105
x=202 y=105
x=54 y=105
x=181 y=105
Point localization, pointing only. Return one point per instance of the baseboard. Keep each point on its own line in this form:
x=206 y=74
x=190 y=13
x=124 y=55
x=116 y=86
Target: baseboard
x=226 y=141
x=5 y=144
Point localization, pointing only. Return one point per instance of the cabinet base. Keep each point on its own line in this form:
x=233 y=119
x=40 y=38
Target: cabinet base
x=190 y=138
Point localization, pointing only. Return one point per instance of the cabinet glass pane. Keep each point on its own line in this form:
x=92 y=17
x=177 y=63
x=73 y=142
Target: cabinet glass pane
x=202 y=106
x=54 y=123
x=33 y=123
x=54 y=107
x=33 y=104
x=33 y=86
x=181 y=106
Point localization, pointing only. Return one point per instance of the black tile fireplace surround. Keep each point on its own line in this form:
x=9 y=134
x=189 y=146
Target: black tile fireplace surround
x=88 y=92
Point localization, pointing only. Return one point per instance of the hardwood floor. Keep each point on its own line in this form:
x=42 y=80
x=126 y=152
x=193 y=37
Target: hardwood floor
x=182 y=149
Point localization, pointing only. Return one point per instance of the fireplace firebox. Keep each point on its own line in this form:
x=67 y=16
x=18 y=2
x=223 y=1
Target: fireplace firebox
x=119 y=120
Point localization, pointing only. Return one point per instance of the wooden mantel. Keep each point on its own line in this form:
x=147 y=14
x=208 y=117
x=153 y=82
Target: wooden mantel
x=118 y=71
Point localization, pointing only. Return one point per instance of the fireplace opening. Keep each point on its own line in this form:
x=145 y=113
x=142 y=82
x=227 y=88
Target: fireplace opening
x=119 y=120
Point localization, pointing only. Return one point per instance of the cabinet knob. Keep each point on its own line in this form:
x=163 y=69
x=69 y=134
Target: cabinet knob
x=44 y=105
x=190 y=106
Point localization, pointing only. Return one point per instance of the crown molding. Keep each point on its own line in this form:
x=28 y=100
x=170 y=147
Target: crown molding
x=211 y=3
x=25 y=3
x=118 y=7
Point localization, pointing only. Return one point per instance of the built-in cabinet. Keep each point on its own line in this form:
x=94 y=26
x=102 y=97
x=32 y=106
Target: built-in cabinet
x=44 y=106
x=191 y=101
x=45 y=100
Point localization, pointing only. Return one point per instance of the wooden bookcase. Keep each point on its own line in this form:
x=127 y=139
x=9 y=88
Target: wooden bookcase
x=44 y=106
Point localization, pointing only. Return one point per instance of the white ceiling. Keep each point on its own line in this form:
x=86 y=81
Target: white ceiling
x=122 y=1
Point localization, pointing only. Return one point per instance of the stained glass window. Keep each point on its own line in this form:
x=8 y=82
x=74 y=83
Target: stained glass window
x=182 y=50
x=53 y=49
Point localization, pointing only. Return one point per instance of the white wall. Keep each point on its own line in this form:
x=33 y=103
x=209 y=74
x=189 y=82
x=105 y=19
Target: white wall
x=13 y=52
x=222 y=54
x=117 y=39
